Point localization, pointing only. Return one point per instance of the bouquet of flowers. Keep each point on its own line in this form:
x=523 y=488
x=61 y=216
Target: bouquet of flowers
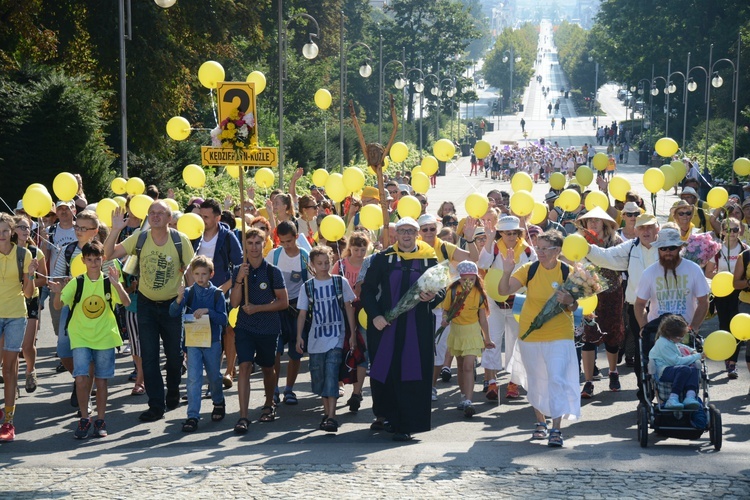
x=234 y=132
x=583 y=281
x=700 y=248
x=457 y=305
x=432 y=281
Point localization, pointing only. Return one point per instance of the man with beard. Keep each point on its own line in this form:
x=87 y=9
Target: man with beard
x=672 y=285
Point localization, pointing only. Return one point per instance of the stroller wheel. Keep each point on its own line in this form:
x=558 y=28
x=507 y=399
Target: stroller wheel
x=643 y=421
x=714 y=429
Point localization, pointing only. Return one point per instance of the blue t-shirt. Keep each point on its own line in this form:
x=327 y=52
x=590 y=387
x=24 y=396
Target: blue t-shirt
x=262 y=291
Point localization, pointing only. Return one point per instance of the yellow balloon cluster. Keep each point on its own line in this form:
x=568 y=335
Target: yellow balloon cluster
x=335 y=188
x=584 y=175
x=210 y=74
x=569 y=200
x=332 y=228
x=539 y=213
x=597 y=199
x=741 y=166
x=399 y=152
x=722 y=284
x=575 y=247
x=557 y=180
x=354 y=179
x=77 y=267
x=139 y=205
x=443 y=150
x=172 y=204
x=482 y=149
x=476 y=205
x=104 y=210
x=65 y=186
x=178 y=128
x=420 y=183
x=666 y=147
x=233 y=171
x=653 y=180
x=600 y=161
x=588 y=304
x=429 y=165
x=37 y=202
x=669 y=177
x=194 y=176
x=491 y=282
x=719 y=345
x=264 y=178
x=740 y=326
x=409 y=206
x=680 y=171
x=191 y=225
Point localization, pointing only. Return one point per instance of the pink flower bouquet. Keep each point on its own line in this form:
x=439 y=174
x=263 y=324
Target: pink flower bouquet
x=700 y=248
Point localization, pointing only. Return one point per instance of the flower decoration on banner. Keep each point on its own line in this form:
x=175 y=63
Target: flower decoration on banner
x=235 y=131
x=700 y=248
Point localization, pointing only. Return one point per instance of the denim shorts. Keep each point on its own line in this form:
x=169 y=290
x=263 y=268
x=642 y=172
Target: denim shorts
x=255 y=348
x=63 y=340
x=12 y=331
x=324 y=373
x=104 y=362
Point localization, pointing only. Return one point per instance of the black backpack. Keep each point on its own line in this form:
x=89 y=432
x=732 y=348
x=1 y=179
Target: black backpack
x=535 y=265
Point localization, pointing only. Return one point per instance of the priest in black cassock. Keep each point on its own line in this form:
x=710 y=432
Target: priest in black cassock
x=401 y=352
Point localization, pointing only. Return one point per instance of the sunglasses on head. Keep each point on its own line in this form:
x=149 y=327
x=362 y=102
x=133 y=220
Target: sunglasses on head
x=669 y=248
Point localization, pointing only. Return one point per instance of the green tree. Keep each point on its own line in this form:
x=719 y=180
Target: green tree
x=523 y=43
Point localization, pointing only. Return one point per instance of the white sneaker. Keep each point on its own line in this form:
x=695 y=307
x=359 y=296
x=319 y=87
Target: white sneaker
x=673 y=404
x=463 y=404
x=434 y=394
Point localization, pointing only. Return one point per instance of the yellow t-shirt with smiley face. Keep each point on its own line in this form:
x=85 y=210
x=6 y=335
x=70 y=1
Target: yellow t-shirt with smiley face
x=93 y=324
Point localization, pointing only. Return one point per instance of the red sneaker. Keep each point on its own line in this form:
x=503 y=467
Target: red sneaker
x=491 y=392
x=512 y=391
x=7 y=433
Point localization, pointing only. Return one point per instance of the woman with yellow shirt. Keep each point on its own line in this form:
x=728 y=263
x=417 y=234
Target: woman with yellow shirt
x=548 y=353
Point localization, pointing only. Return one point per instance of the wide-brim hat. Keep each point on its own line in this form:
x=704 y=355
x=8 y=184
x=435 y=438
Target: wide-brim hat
x=630 y=208
x=680 y=204
x=508 y=223
x=596 y=213
x=690 y=191
x=668 y=237
x=646 y=220
x=371 y=192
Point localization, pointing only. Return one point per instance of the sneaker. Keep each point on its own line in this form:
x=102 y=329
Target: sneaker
x=100 y=429
x=597 y=374
x=290 y=398
x=434 y=394
x=445 y=374
x=512 y=391
x=469 y=410
x=691 y=403
x=462 y=405
x=732 y=373
x=614 y=382
x=354 y=402
x=126 y=350
x=588 y=390
x=60 y=368
x=7 y=433
x=491 y=393
x=82 y=432
x=673 y=404
x=31 y=382
x=485 y=385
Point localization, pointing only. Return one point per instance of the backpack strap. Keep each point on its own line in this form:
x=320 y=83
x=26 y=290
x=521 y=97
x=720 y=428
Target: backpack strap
x=310 y=291
x=303 y=260
x=20 y=257
x=636 y=242
x=176 y=240
x=338 y=288
x=532 y=271
x=70 y=248
x=177 y=244
x=139 y=246
x=276 y=254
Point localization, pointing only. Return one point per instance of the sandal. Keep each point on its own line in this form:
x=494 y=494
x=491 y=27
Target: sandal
x=540 y=433
x=268 y=414
x=241 y=426
x=138 y=390
x=331 y=425
x=190 y=425
x=555 y=438
x=219 y=411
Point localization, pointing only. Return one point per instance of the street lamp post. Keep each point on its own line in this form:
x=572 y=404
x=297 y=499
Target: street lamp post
x=509 y=55
x=419 y=88
x=655 y=92
x=125 y=20
x=365 y=70
x=436 y=92
x=596 y=85
x=380 y=87
x=641 y=88
x=309 y=51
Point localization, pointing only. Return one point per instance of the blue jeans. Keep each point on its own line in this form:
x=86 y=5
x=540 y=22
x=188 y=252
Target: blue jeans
x=198 y=357
x=154 y=323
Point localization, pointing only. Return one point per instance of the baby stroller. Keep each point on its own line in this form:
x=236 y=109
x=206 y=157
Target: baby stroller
x=680 y=424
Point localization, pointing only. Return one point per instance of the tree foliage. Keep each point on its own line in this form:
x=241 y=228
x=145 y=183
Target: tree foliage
x=523 y=43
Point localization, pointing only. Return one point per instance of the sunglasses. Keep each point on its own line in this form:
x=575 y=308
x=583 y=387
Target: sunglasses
x=669 y=249
x=311 y=206
x=684 y=214
x=730 y=230
x=631 y=214
x=428 y=229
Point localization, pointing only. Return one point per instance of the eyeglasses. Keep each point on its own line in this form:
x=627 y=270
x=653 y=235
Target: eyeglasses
x=510 y=233
x=311 y=206
x=23 y=228
x=546 y=249
x=409 y=232
x=81 y=229
x=730 y=230
x=684 y=214
x=395 y=191
x=428 y=229
x=631 y=214
x=669 y=248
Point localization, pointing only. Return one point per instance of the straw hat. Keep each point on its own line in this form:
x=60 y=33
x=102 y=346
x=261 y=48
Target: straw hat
x=596 y=213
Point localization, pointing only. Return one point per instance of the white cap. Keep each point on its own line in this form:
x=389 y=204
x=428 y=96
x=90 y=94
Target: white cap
x=407 y=221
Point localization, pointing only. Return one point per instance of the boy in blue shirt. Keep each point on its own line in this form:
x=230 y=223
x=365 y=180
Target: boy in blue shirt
x=203 y=298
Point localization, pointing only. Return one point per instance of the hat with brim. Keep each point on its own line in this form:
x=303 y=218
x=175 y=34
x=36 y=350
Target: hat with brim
x=680 y=204
x=645 y=220
x=596 y=213
x=407 y=222
x=551 y=196
x=746 y=202
x=370 y=192
x=508 y=223
x=630 y=208
x=689 y=191
x=668 y=237
x=426 y=219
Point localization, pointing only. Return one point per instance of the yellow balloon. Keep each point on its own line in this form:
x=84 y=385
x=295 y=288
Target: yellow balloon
x=417 y=170
x=139 y=205
x=539 y=213
x=569 y=200
x=476 y=205
x=584 y=175
x=191 y=225
x=323 y=98
x=420 y=182
x=600 y=161
x=194 y=176
x=134 y=186
x=597 y=199
x=669 y=176
x=557 y=180
x=666 y=147
x=409 y=206
x=740 y=326
x=233 y=316
x=482 y=149
x=259 y=79
x=36 y=185
x=210 y=74
x=722 y=284
x=589 y=304
x=522 y=203
x=332 y=228
x=619 y=187
x=444 y=150
x=65 y=186
x=118 y=185
x=371 y=216
x=335 y=188
x=37 y=202
x=741 y=166
x=178 y=128
x=319 y=177
x=575 y=247
x=719 y=345
x=522 y=181
x=233 y=171
x=399 y=152
x=717 y=197
x=491 y=281
x=653 y=180
x=77 y=267
x=429 y=165
x=362 y=318
x=121 y=201
x=354 y=179
x=172 y=204
x=104 y=210
x=680 y=171
x=264 y=178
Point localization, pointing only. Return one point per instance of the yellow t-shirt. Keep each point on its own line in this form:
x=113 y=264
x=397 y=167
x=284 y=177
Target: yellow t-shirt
x=450 y=249
x=268 y=246
x=470 y=313
x=93 y=323
x=558 y=328
x=12 y=301
x=160 y=274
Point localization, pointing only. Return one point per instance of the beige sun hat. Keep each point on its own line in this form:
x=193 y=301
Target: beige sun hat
x=597 y=213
